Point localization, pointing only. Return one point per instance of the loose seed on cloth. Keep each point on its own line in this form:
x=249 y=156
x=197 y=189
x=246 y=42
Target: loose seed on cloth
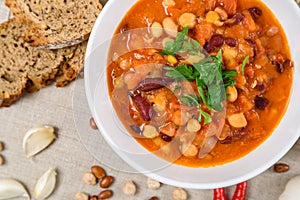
x=129 y=188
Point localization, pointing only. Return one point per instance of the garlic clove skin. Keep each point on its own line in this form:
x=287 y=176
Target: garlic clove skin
x=37 y=139
x=45 y=185
x=11 y=188
x=291 y=191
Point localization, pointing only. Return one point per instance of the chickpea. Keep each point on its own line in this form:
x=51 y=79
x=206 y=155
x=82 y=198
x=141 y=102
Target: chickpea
x=89 y=178
x=179 y=194
x=171 y=59
x=180 y=118
x=187 y=20
x=221 y=12
x=169 y=3
x=129 y=188
x=214 y=18
x=170 y=27
x=150 y=131
x=153 y=184
x=81 y=196
x=189 y=151
x=156 y=29
x=232 y=93
x=237 y=120
x=193 y=126
x=124 y=64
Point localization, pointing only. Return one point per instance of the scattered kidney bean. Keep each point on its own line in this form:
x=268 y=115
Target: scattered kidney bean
x=255 y=12
x=149 y=84
x=281 y=167
x=260 y=86
x=241 y=133
x=143 y=106
x=154 y=198
x=106 y=181
x=166 y=138
x=93 y=124
x=1 y=146
x=231 y=42
x=105 y=194
x=1 y=160
x=94 y=197
x=261 y=102
x=213 y=43
x=98 y=171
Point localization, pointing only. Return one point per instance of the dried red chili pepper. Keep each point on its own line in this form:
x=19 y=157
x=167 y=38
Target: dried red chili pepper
x=219 y=194
x=240 y=191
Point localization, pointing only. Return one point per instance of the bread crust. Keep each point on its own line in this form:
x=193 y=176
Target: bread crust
x=56 y=24
x=25 y=68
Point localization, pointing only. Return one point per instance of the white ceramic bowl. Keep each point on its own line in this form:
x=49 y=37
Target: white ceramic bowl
x=263 y=157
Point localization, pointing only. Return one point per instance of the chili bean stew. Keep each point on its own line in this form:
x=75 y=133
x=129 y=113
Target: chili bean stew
x=200 y=82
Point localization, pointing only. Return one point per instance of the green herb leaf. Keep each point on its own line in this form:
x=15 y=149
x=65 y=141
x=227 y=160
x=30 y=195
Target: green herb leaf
x=182 y=72
x=244 y=64
x=190 y=100
x=206 y=116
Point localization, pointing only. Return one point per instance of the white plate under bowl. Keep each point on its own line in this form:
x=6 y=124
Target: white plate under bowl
x=256 y=162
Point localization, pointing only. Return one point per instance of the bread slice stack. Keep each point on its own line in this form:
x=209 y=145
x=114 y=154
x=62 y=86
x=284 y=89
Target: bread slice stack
x=45 y=42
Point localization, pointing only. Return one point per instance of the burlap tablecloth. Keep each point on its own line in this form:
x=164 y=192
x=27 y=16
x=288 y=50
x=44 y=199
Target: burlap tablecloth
x=75 y=150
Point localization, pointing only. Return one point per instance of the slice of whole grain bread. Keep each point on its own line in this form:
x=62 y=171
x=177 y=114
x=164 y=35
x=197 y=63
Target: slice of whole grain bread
x=25 y=68
x=56 y=24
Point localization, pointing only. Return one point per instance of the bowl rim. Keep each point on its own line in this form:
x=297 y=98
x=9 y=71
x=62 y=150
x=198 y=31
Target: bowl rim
x=222 y=183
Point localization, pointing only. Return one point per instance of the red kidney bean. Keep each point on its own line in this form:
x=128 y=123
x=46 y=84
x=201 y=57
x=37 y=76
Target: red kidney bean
x=255 y=12
x=288 y=64
x=214 y=42
x=231 y=42
x=143 y=106
x=260 y=87
x=261 y=102
x=106 y=181
x=94 y=197
x=279 y=67
x=235 y=19
x=281 y=167
x=240 y=133
x=105 y=194
x=227 y=140
x=166 y=138
x=153 y=198
x=149 y=84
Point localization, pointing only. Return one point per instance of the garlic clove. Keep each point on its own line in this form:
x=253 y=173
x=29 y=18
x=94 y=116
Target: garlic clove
x=11 y=188
x=291 y=191
x=45 y=185
x=37 y=139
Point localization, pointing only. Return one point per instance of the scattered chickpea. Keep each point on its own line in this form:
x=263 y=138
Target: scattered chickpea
x=1 y=146
x=171 y=59
x=81 y=196
x=170 y=26
x=232 y=93
x=93 y=124
x=129 y=188
x=187 y=20
x=189 y=151
x=150 y=131
x=179 y=194
x=193 y=126
x=169 y=3
x=1 y=160
x=89 y=178
x=153 y=184
x=156 y=29
x=237 y=120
